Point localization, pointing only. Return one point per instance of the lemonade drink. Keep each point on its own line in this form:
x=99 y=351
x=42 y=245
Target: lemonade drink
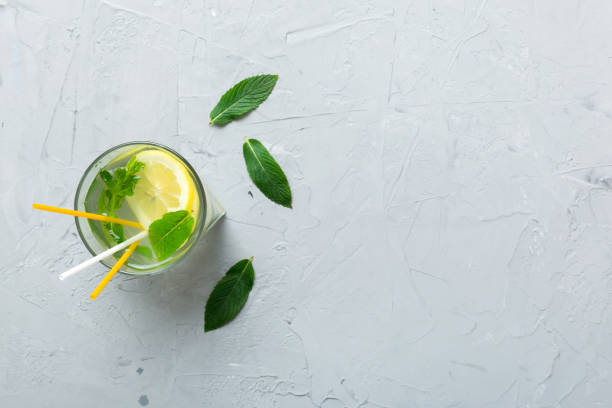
x=165 y=183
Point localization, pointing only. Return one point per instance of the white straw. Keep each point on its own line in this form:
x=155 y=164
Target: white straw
x=103 y=255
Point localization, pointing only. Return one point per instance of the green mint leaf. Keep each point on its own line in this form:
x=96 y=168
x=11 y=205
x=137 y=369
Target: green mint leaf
x=144 y=251
x=103 y=202
x=117 y=185
x=119 y=175
x=107 y=178
x=243 y=97
x=229 y=295
x=134 y=166
x=116 y=232
x=170 y=232
x=266 y=173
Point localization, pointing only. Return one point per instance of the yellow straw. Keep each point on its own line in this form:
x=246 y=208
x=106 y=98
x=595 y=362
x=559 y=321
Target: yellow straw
x=113 y=271
x=83 y=214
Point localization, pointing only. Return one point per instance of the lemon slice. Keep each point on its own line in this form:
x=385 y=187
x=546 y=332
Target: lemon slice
x=164 y=186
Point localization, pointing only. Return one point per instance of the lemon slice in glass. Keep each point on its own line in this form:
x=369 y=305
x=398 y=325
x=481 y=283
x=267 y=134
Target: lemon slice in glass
x=165 y=185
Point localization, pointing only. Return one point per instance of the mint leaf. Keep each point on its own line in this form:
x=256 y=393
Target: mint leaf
x=243 y=97
x=115 y=187
x=266 y=173
x=116 y=232
x=144 y=251
x=229 y=295
x=170 y=232
x=107 y=178
x=134 y=166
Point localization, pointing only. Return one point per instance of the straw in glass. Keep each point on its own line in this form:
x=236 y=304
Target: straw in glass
x=104 y=254
x=83 y=214
x=113 y=271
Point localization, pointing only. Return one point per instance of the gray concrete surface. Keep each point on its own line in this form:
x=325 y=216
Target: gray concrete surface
x=450 y=243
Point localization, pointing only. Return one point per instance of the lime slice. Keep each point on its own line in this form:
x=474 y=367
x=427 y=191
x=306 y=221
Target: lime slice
x=164 y=186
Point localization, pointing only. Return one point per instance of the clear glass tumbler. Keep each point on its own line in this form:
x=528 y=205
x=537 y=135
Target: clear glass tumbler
x=209 y=211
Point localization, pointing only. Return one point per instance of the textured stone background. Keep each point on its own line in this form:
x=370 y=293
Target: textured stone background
x=450 y=244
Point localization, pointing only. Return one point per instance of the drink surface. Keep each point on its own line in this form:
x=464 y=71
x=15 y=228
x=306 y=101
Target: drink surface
x=165 y=184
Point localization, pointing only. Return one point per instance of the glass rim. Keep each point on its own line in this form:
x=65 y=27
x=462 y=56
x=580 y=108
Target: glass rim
x=199 y=225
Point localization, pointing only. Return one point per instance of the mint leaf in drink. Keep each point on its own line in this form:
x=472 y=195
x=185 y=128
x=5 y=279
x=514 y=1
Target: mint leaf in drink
x=116 y=232
x=116 y=186
x=243 y=97
x=144 y=251
x=229 y=295
x=170 y=232
x=266 y=173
